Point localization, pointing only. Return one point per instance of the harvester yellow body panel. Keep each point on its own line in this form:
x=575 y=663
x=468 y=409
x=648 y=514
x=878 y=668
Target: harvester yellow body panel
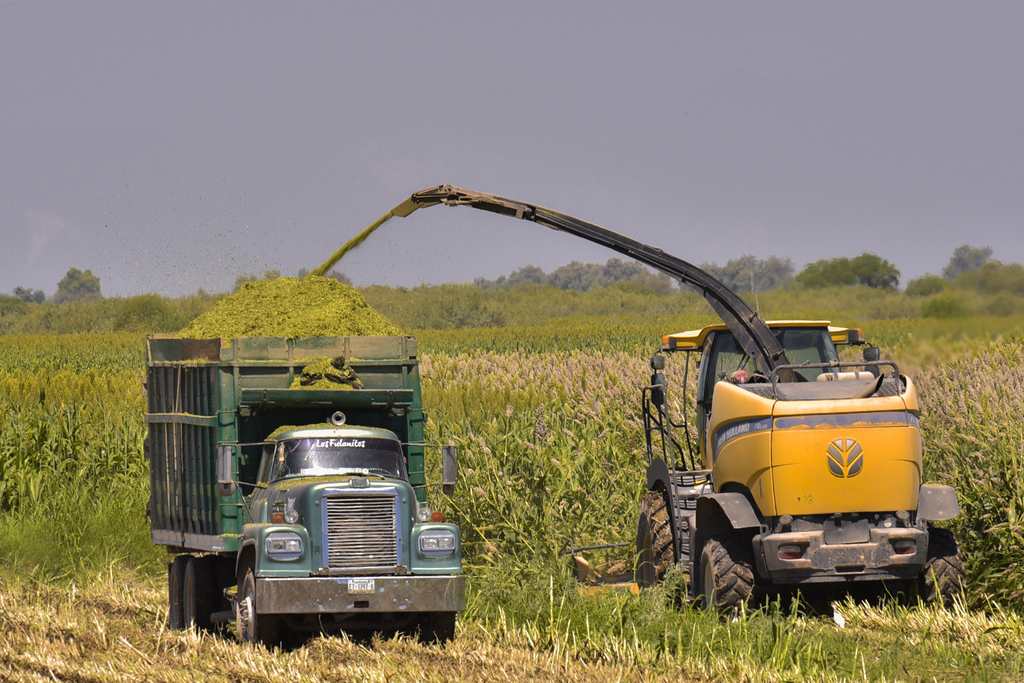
x=810 y=457
x=739 y=443
x=853 y=455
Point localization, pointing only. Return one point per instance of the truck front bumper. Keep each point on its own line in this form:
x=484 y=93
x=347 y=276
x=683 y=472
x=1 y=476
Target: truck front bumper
x=824 y=562
x=320 y=595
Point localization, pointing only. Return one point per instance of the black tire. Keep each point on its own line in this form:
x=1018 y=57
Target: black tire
x=654 y=546
x=943 y=576
x=438 y=627
x=250 y=626
x=199 y=593
x=727 y=573
x=175 y=592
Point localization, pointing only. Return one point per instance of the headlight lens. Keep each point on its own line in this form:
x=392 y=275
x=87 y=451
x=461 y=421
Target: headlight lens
x=437 y=543
x=423 y=513
x=291 y=516
x=284 y=546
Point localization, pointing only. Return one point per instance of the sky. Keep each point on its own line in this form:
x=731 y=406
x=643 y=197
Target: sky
x=172 y=146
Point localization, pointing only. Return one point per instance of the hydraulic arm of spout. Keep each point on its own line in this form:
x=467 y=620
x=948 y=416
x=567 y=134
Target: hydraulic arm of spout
x=750 y=330
x=747 y=326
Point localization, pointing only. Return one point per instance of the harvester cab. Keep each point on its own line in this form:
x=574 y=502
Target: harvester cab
x=755 y=484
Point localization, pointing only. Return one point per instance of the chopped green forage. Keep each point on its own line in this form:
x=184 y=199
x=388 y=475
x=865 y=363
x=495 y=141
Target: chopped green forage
x=289 y=307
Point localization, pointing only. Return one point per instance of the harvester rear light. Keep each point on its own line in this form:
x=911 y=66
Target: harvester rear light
x=790 y=552
x=905 y=547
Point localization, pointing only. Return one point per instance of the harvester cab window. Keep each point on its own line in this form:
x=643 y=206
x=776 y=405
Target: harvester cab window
x=351 y=455
x=722 y=357
x=726 y=359
x=808 y=345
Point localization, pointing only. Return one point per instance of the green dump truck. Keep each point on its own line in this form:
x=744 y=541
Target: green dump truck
x=289 y=510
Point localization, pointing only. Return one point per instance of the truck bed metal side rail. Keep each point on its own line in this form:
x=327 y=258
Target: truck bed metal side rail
x=750 y=330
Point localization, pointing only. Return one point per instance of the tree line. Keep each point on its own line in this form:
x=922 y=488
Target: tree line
x=972 y=282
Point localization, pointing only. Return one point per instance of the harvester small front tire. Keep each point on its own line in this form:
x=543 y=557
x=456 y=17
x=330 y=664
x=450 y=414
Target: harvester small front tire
x=654 y=546
x=727 y=573
x=251 y=626
x=175 y=592
x=943 y=576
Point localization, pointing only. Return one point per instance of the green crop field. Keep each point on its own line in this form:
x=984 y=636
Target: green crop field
x=547 y=422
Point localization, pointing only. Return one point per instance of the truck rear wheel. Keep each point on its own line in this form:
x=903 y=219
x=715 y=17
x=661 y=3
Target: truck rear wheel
x=251 y=626
x=727 y=573
x=943 y=576
x=654 y=546
x=199 y=593
x=175 y=592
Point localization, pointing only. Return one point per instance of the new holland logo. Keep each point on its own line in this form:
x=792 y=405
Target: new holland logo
x=845 y=458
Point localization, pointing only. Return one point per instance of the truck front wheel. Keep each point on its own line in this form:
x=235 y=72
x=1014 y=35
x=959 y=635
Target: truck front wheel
x=437 y=627
x=251 y=626
x=727 y=573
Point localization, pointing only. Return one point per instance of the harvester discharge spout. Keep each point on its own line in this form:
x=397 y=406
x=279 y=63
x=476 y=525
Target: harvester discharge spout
x=750 y=330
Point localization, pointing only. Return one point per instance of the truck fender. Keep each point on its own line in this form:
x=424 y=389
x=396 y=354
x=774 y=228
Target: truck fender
x=732 y=506
x=937 y=503
x=247 y=547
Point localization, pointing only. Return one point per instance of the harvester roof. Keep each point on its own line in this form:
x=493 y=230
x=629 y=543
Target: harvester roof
x=693 y=340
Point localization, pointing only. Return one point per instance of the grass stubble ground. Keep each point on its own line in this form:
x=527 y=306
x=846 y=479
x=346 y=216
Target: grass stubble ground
x=113 y=628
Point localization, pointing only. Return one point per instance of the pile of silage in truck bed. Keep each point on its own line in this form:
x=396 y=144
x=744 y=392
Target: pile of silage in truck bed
x=290 y=307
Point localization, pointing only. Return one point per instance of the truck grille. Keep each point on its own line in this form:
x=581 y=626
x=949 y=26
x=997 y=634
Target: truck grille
x=362 y=532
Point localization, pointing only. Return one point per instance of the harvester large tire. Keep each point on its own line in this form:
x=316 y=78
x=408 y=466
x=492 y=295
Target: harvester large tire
x=727 y=573
x=654 y=544
x=943 y=576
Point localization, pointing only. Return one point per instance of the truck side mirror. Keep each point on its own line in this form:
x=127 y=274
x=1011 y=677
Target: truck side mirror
x=449 y=469
x=225 y=484
x=872 y=354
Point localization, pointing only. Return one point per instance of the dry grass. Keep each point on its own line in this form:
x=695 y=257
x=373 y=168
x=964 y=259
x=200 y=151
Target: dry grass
x=115 y=630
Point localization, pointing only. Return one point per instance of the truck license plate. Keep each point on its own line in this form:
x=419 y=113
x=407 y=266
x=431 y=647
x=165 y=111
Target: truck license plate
x=361 y=586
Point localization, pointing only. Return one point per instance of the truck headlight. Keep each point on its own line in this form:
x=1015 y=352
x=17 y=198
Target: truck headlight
x=437 y=543
x=423 y=513
x=284 y=546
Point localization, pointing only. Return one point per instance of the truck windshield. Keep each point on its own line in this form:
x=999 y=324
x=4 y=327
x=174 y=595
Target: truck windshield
x=360 y=455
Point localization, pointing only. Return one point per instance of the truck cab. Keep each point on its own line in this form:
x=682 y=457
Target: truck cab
x=337 y=539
